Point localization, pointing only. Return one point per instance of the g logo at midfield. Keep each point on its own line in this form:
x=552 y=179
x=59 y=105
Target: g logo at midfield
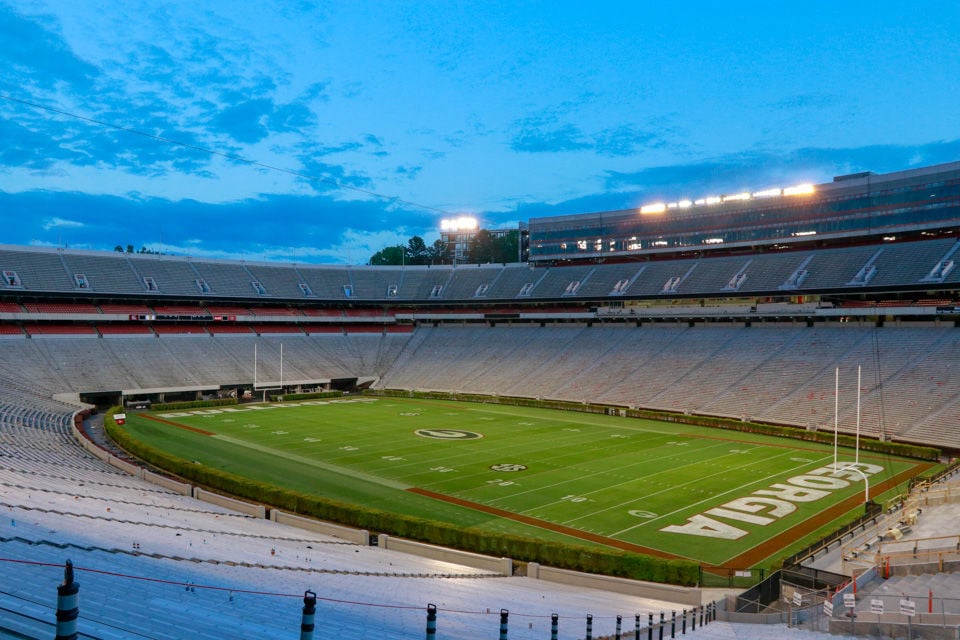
x=508 y=466
x=448 y=434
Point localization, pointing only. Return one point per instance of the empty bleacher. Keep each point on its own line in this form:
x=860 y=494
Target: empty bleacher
x=106 y=272
x=46 y=270
x=327 y=283
x=278 y=280
x=783 y=374
x=172 y=276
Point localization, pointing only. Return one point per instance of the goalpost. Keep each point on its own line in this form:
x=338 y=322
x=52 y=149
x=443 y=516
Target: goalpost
x=836 y=429
x=256 y=386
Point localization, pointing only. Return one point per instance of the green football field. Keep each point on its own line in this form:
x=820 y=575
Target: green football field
x=715 y=496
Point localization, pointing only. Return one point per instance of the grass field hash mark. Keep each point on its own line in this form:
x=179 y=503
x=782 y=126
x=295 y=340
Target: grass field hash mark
x=622 y=468
x=547 y=460
x=863 y=454
x=590 y=423
x=738 y=489
x=545 y=525
x=359 y=475
x=681 y=486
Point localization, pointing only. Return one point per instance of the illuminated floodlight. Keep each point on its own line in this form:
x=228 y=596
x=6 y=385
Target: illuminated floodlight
x=768 y=193
x=685 y=204
x=463 y=223
x=660 y=243
x=700 y=201
x=657 y=207
x=713 y=241
x=672 y=205
x=801 y=234
x=736 y=197
x=713 y=200
x=799 y=190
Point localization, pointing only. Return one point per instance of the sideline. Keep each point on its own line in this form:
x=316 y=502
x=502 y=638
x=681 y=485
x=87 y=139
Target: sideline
x=549 y=526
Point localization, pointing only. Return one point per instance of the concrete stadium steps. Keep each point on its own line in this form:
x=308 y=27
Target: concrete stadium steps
x=945 y=588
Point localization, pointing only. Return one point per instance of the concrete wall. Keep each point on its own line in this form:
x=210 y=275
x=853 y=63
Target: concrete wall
x=123 y=465
x=89 y=446
x=867 y=624
x=255 y=510
x=503 y=566
x=176 y=486
x=356 y=536
x=779 y=617
x=671 y=593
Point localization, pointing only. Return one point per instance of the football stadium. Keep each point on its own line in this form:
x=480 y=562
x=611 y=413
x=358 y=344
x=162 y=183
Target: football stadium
x=734 y=409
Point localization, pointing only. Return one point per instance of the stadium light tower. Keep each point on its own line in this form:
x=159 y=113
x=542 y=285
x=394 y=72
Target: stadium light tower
x=458 y=235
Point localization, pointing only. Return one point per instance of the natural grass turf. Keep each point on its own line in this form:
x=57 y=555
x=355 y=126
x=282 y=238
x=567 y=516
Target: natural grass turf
x=621 y=478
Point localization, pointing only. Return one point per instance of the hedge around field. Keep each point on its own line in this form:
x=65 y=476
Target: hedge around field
x=611 y=562
x=796 y=433
x=290 y=397
x=193 y=404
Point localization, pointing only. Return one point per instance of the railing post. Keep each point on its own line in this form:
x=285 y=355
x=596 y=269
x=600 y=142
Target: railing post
x=504 y=615
x=683 y=623
x=673 y=624
x=554 y=626
x=660 y=626
x=68 y=597
x=617 y=633
x=636 y=627
x=589 y=635
x=309 y=612
x=431 y=621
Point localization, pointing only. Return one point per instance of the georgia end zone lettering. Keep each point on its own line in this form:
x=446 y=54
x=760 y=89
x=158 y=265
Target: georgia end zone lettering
x=765 y=506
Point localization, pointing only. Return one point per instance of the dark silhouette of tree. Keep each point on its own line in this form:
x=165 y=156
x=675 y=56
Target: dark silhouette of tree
x=389 y=256
x=488 y=248
x=438 y=252
x=485 y=247
x=143 y=250
x=417 y=252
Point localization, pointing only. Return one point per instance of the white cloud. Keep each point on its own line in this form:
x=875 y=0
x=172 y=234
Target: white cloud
x=61 y=223
x=353 y=248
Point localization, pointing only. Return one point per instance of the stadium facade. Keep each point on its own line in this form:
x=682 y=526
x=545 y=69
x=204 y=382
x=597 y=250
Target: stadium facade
x=856 y=208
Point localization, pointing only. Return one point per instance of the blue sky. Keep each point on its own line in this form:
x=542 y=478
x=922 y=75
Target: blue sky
x=339 y=128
